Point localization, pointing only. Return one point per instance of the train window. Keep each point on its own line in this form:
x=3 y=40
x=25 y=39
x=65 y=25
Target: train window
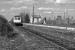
x=18 y=18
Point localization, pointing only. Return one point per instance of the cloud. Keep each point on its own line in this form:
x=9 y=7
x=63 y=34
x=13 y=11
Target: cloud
x=61 y=1
x=18 y=8
x=6 y=1
x=65 y=1
x=49 y=1
x=43 y=8
x=15 y=2
x=13 y=8
x=22 y=1
x=58 y=12
x=2 y=10
x=47 y=12
x=71 y=9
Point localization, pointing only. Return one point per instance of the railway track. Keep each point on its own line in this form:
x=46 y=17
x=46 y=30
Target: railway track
x=46 y=44
x=61 y=43
x=69 y=35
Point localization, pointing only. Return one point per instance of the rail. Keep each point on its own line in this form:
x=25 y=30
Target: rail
x=62 y=43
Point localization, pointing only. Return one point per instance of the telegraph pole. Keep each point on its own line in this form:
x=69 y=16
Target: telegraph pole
x=33 y=14
x=65 y=13
x=67 y=17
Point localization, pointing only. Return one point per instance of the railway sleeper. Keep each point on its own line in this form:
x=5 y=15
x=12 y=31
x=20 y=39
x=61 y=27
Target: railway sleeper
x=59 y=41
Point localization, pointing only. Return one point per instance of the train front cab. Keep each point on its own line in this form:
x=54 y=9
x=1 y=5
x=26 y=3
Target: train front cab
x=17 y=21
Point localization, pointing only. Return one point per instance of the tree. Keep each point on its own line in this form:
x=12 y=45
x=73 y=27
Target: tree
x=27 y=19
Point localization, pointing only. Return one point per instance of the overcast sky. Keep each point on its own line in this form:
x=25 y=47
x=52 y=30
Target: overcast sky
x=10 y=8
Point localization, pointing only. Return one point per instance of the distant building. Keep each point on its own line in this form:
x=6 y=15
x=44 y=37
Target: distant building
x=43 y=20
x=35 y=19
x=59 y=17
x=59 y=20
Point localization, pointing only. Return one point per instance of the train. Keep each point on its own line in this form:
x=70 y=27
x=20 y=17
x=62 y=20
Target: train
x=17 y=20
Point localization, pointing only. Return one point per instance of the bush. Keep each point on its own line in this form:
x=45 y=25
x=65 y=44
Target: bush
x=5 y=28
